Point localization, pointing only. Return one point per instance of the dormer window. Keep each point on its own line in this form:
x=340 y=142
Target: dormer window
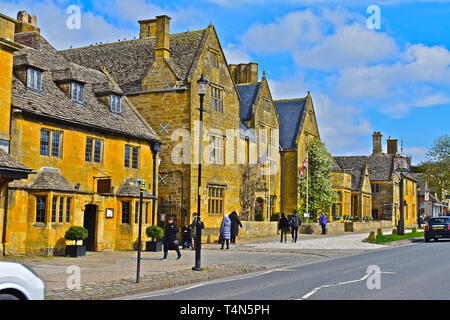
x=34 y=79
x=77 y=92
x=116 y=103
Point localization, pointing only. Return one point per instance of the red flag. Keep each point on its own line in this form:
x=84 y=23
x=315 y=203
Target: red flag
x=305 y=165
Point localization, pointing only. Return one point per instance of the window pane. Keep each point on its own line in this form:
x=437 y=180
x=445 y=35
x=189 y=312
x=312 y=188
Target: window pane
x=61 y=209
x=38 y=80
x=125 y=212
x=45 y=139
x=146 y=212
x=98 y=151
x=127 y=156
x=56 y=140
x=135 y=158
x=54 y=204
x=136 y=212
x=40 y=209
x=68 y=202
x=88 y=154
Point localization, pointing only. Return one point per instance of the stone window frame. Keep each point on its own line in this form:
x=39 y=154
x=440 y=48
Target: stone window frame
x=50 y=143
x=77 y=92
x=216 y=149
x=131 y=158
x=41 y=209
x=125 y=214
x=216 y=200
x=116 y=103
x=216 y=98
x=214 y=58
x=266 y=104
x=90 y=150
x=34 y=79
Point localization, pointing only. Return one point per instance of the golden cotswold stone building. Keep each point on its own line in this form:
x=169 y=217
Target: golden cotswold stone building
x=259 y=117
x=384 y=184
x=298 y=125
x=159 y=72
x=87 y=144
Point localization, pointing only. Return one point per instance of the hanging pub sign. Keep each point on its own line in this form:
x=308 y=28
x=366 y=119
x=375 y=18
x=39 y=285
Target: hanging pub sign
x=401 y=164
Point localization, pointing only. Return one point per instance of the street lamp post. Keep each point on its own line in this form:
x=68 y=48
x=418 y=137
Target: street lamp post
x=156 y=148
x=202 y=87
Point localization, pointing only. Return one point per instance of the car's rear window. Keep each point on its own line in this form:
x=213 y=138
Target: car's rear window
x=439 y=220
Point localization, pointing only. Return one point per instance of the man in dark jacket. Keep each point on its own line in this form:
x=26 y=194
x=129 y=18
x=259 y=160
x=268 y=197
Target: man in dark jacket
x=235 y=224
x=283 y=226
x=295 y=224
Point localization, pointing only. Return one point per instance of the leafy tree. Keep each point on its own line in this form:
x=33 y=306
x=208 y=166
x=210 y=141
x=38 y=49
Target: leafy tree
x=436 y=167
x=251 y=183
x=321 y=193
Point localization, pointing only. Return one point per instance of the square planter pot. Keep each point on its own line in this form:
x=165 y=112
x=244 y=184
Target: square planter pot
x=154 y=246
x=76 y=251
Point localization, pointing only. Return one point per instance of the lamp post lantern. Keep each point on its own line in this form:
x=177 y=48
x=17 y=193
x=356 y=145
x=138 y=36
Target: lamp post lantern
x=202 y=87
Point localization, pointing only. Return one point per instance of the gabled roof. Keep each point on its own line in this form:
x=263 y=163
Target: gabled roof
x=381 y=167
x=248 y=93
x=290 y=114
x=52 y=103
x=50 y=179
x=356 y=166
x=130 y=188
x=129 y=61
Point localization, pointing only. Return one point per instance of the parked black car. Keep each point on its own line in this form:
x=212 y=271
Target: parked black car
x=437 y=227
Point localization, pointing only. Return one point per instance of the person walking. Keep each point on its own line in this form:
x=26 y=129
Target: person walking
x=193 y=227
x=295 y=224
x=323 y=223
x=283 y=226
x=235 y=224
x=225 y=231
x=170 y=239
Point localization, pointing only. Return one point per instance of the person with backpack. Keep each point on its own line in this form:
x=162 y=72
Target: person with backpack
x=283 y=226
x=295 y=224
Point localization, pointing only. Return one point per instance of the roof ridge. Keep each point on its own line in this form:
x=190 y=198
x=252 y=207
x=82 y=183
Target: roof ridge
x=293 y=99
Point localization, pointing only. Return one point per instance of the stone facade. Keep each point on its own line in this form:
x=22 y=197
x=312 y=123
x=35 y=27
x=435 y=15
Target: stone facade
x=84 y=175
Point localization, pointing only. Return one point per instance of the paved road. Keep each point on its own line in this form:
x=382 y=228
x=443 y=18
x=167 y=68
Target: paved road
x=415 y=271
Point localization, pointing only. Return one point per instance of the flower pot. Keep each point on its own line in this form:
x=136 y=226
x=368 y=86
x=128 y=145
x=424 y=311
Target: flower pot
x=76 y=251
x=154 y=246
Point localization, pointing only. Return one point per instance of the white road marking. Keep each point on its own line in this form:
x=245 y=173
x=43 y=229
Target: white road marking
x=315 y=290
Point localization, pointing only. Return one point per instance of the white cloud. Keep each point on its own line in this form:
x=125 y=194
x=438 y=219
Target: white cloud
x=236 y=55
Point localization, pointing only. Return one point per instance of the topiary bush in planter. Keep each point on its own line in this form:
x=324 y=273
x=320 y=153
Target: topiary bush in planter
x=156 y=234
x=76 y=233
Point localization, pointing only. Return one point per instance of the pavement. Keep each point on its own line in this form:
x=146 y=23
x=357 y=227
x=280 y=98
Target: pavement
x=109 y=275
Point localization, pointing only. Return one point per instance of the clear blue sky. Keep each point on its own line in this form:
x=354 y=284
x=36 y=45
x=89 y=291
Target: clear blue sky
x=395 y=79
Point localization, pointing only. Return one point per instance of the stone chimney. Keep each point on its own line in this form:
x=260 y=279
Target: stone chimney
x=162 y=36
x=26 y=22
x=377 y=144
x=244 y=73
x=392 y=146
x=148 y=28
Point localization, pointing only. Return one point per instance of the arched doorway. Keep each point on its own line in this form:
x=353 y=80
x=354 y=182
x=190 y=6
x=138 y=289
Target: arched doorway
x=259 y=208
x=90 y=223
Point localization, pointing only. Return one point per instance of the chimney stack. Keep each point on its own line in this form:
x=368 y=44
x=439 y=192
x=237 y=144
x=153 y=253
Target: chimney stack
x=244 y=73
x=26 y=22
x=377 y=144
x=147 y=28
x=162 y=36
x=392 y=146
